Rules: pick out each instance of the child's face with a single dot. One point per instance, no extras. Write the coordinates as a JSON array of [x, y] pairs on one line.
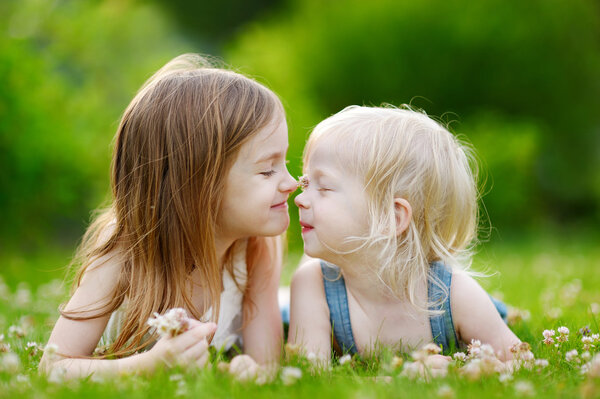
[[333, 207], [258, 186]]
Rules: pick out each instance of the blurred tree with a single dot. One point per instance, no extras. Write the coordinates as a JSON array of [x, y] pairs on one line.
[[213, 23], [533, 65], [67, 71]]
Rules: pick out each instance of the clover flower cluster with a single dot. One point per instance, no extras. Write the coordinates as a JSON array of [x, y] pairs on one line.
[[173, 322], [590, 365], [480, 360]]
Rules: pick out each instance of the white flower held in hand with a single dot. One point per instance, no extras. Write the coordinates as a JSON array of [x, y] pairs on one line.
[[173, 322]]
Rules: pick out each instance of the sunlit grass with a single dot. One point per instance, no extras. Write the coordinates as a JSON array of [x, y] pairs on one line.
[[553, 281]]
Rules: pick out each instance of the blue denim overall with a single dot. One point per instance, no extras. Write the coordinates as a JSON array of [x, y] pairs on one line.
[[442, 326]]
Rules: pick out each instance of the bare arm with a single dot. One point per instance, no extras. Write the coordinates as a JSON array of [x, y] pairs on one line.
[[263, 332], [77, 339], [476, 317], [309, 314]]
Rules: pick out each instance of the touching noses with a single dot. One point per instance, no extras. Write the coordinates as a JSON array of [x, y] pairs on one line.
[[301, 201], [288, 184]]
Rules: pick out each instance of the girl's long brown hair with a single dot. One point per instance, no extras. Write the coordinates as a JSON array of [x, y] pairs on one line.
[[173, 149]]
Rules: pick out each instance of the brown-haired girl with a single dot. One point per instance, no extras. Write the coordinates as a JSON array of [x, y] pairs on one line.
[[200, 189]]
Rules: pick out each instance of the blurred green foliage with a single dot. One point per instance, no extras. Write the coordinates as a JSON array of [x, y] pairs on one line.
[[520, 77], [67, 71]]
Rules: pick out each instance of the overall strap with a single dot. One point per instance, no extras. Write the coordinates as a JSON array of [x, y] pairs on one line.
[[438, 295], [337, 300]]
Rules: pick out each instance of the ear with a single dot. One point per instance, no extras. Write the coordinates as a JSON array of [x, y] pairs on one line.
[[403, 212]]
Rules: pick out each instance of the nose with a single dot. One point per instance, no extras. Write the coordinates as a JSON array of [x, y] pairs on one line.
[[288, 184], [301, 201]]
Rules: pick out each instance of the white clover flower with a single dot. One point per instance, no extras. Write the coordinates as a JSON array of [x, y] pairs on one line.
[[517, 315], [411, 370], [524, 388], [173, 322], [10, 362], [505, 377], [345, 359], [472, 370], [4, 347], [527, 356], [548, 333], [311, 357], [570, 292], [289, 375], [1, 337], [592, 368], [585, 356], [549, 341], [563, 330], [542, 363], [182, 389], [16, 331], [587, 343], [459, 356], [571, 356], [554, 313], [445, 392], [396, 362], [51, 349], [33, 348], [596, 337], [595, 308], [419, 356], [486, 351], [432, 349], [474, 348], [22, 297], [97, 378]]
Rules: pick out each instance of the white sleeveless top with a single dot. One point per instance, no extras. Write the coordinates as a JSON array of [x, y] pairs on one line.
[[229, 324]]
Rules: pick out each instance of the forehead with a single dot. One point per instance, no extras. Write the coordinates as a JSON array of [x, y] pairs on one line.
[[270, 139], [326, 152]]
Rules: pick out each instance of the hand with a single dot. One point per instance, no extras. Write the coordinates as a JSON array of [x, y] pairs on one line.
[[189, 349], [244, 368], [437, 365]]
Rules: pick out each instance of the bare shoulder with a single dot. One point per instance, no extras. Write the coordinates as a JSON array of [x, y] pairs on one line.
[[98, 283], [308, 276], [464, 288]]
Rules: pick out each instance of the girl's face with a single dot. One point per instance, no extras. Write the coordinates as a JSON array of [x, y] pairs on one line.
[[258, 186], [333, 206]]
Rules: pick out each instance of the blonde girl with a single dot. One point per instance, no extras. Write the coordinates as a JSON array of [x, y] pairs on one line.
[[389, 208], [199, 185]]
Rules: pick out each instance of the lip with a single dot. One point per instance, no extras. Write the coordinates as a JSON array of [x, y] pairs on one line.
[[281, 205], [306, 227]]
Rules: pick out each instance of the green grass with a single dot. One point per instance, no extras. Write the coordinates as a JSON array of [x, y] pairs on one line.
[[555, 278]]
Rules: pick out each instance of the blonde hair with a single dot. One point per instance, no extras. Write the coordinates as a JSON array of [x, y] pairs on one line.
[[404, 153], [173, 149]]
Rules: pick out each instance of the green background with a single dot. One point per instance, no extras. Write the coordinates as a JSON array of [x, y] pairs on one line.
[[517, 79]]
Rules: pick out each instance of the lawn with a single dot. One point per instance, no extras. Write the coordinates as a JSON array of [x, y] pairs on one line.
[[550, 280]]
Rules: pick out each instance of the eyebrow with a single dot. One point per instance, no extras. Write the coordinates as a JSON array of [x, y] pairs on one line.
[[270, 156]]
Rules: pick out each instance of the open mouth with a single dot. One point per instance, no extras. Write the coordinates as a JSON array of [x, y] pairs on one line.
[[306, 227]]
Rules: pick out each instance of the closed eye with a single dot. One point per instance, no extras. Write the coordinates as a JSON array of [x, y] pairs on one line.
[[268, 173]]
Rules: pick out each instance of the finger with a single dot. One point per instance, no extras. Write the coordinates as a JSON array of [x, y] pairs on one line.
[[203, 330], [202, 360], [193, 335], [195, 351]]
